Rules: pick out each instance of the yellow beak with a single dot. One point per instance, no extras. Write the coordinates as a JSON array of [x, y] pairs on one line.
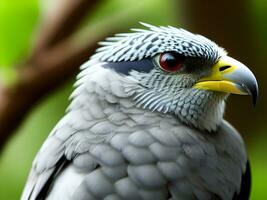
[[230, 76]]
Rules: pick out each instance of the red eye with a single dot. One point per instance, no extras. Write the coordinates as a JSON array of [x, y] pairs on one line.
[[170, 61]]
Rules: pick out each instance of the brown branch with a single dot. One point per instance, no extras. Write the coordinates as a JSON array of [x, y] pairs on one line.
[[63, 20], [54, 68], [56, 58], [54, 61]]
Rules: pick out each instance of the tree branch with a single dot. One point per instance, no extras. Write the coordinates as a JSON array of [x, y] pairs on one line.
[[62, 20], [54, 61], [56, 58]]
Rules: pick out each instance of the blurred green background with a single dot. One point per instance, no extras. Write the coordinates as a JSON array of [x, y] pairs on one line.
[[19, 22]]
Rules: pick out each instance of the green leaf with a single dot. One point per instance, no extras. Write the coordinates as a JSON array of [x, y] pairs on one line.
[[17, 22]]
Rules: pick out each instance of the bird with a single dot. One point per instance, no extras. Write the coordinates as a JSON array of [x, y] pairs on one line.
[[146, 121]]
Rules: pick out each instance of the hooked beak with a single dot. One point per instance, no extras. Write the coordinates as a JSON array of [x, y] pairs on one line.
[[230, 76]]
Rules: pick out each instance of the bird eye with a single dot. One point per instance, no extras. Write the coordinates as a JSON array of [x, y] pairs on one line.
[[170, 61]]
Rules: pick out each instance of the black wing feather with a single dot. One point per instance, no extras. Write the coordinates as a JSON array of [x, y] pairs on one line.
[[245, 185], [60, 165]]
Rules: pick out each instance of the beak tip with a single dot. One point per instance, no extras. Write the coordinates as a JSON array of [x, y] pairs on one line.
[[254, 92], [250, 86]]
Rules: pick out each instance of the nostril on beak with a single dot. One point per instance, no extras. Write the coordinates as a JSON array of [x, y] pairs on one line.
[[224, 68]]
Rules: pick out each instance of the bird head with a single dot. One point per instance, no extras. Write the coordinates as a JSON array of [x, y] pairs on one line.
[[173, 71]]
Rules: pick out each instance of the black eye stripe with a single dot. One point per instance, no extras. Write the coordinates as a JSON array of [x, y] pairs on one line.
[[124, 67]]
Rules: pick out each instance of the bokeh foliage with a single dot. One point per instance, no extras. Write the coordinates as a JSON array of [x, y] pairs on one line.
[[18, 22]]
